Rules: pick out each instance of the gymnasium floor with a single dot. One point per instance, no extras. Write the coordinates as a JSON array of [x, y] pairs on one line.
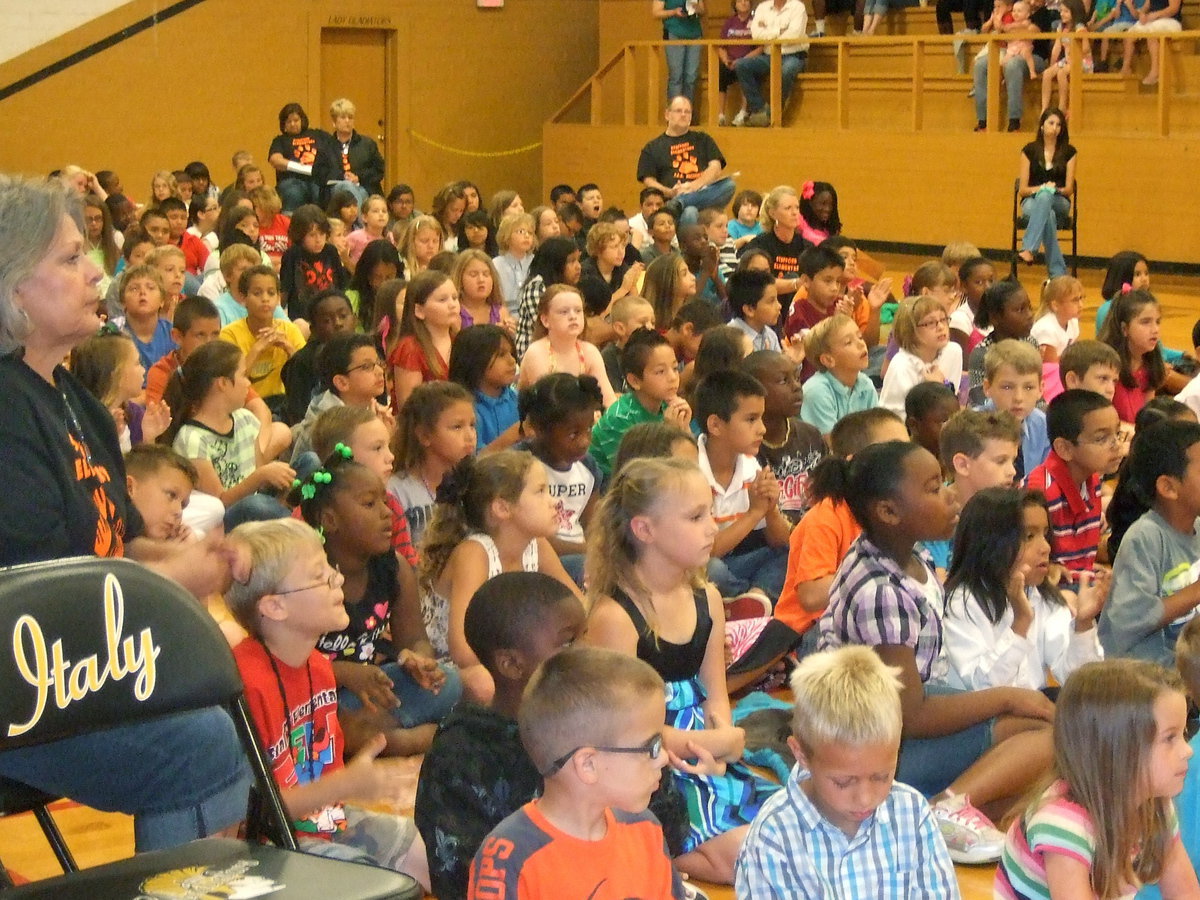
[[97, 837]]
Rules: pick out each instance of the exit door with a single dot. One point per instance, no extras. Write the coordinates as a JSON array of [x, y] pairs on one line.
[[354, 65]]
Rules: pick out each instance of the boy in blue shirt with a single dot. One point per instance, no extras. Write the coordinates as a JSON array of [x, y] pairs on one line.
[[843, 826]]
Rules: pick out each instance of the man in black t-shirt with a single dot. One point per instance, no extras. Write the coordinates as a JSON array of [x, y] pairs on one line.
[[685, 165]]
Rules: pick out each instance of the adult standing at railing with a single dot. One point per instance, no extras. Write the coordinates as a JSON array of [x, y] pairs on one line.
[[685, 165], [184, 776], [1046, 185], [1015, 71], [681, 22], [774, 20]]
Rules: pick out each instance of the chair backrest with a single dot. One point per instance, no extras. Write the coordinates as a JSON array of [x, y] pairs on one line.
[[90, 643]]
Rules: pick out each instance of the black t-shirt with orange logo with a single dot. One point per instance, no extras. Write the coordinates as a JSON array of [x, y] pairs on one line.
[[303, 148], [674, 160], [66, 493]]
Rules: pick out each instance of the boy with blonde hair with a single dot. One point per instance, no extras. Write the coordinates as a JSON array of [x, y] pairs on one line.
[[591, 721], [1012, 383], [842, 826], [627, 315], [835, 346], [286, 595]]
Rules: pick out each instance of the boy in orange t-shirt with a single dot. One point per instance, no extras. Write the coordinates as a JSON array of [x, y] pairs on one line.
[[820, 540]]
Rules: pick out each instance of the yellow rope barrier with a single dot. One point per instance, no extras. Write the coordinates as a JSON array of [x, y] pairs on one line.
[[476, 153]]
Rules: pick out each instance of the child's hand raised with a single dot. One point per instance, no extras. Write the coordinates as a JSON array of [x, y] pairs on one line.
[[369, 684], [1019, 601], [630, 281], [793, 348], [1089, 600], [678, 414], [845, 305], [155, 420], [881, 292]]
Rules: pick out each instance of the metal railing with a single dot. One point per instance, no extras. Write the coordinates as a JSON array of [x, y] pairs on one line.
[[622, 75]]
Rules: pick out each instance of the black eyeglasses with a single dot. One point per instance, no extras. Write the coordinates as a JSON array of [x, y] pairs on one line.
[[367, 366], [651, 748], [332, 580]]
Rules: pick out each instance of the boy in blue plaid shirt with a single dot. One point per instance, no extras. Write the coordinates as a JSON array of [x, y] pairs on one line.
[[843, 827]]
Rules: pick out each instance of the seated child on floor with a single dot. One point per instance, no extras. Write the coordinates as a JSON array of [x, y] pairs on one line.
[[592, 722], [477, 773], [843, 826], [286, 595], [750, 549], [388, 680], [963, 749]]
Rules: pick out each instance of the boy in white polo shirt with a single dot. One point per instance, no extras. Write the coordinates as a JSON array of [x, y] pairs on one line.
[[750, 549]]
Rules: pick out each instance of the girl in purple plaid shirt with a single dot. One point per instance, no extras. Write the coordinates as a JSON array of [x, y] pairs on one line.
[[988, 745]]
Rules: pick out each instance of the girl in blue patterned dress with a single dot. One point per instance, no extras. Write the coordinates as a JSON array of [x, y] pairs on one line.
[[648, 549]]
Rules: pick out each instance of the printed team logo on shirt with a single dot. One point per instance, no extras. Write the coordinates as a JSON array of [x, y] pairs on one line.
[[229, 882], [110, 529], [786, 266], [684, 162], [304, 150]]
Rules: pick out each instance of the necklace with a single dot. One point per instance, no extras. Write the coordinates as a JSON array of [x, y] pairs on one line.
[[307, 738], [787, 436]]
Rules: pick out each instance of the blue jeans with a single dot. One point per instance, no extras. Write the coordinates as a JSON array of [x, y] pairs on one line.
[[296, 192], [1016, 73], [930, 765], [750, 71], [255, 508], [181, 777], [1046, 212], [683, 68], [716, 195], [763, 568], [417, 705]]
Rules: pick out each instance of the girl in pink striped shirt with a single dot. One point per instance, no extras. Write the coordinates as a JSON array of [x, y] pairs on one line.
[[1106, 824]]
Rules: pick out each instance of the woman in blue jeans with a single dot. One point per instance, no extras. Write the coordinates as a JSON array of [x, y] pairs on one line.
[[1047, 183], [182, 776], [681, 22]]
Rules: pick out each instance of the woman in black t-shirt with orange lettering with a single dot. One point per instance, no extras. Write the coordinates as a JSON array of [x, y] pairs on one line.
[[296, 156], [780, 239]]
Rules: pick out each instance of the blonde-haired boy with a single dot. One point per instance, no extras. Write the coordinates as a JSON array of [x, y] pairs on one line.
[[627, 315], [1012, 383], [836, 347], [842, 826], [286, 595], [515, 240], [592, 722]]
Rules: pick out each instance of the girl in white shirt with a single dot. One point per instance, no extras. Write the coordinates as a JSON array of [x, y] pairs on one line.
[[1057, 326], [926, 353], [1006, 622]]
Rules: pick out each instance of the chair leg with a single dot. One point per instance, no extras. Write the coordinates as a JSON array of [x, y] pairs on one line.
[[55, 839]]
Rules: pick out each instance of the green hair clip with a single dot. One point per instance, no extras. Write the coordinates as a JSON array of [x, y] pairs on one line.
[[343, 451]]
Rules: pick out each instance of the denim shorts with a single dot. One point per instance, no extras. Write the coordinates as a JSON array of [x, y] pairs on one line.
[[930, 765]]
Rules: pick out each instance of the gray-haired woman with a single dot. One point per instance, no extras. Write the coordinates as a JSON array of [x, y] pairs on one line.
[[181, 777]]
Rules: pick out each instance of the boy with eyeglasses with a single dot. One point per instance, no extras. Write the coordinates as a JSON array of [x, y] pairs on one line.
[[591, 721], [1084, 432], [286, 595]]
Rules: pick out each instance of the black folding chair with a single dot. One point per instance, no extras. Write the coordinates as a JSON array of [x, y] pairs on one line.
[[1066, 224], [73, 601]]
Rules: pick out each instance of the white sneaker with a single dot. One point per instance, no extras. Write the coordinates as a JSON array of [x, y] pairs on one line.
[[970, 836], [740, 119]]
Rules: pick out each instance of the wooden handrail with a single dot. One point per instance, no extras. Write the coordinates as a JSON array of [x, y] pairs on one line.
[[628, 57]]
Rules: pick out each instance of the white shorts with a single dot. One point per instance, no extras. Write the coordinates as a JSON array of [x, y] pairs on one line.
[[1158, 26]]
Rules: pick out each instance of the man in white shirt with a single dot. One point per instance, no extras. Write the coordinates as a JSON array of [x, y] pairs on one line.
[[782, 20]]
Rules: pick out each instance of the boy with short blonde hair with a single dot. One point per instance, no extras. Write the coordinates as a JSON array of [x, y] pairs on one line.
[[1012, 383], [835, 346], [627, 315], [1091, 366], [591, 721], [842, 826], [286, 595]]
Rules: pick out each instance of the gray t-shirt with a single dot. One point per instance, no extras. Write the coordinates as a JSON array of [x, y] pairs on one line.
[[1154, 562]]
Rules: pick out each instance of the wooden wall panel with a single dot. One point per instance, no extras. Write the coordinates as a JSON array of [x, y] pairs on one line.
[[926, 188], [211, 81]]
